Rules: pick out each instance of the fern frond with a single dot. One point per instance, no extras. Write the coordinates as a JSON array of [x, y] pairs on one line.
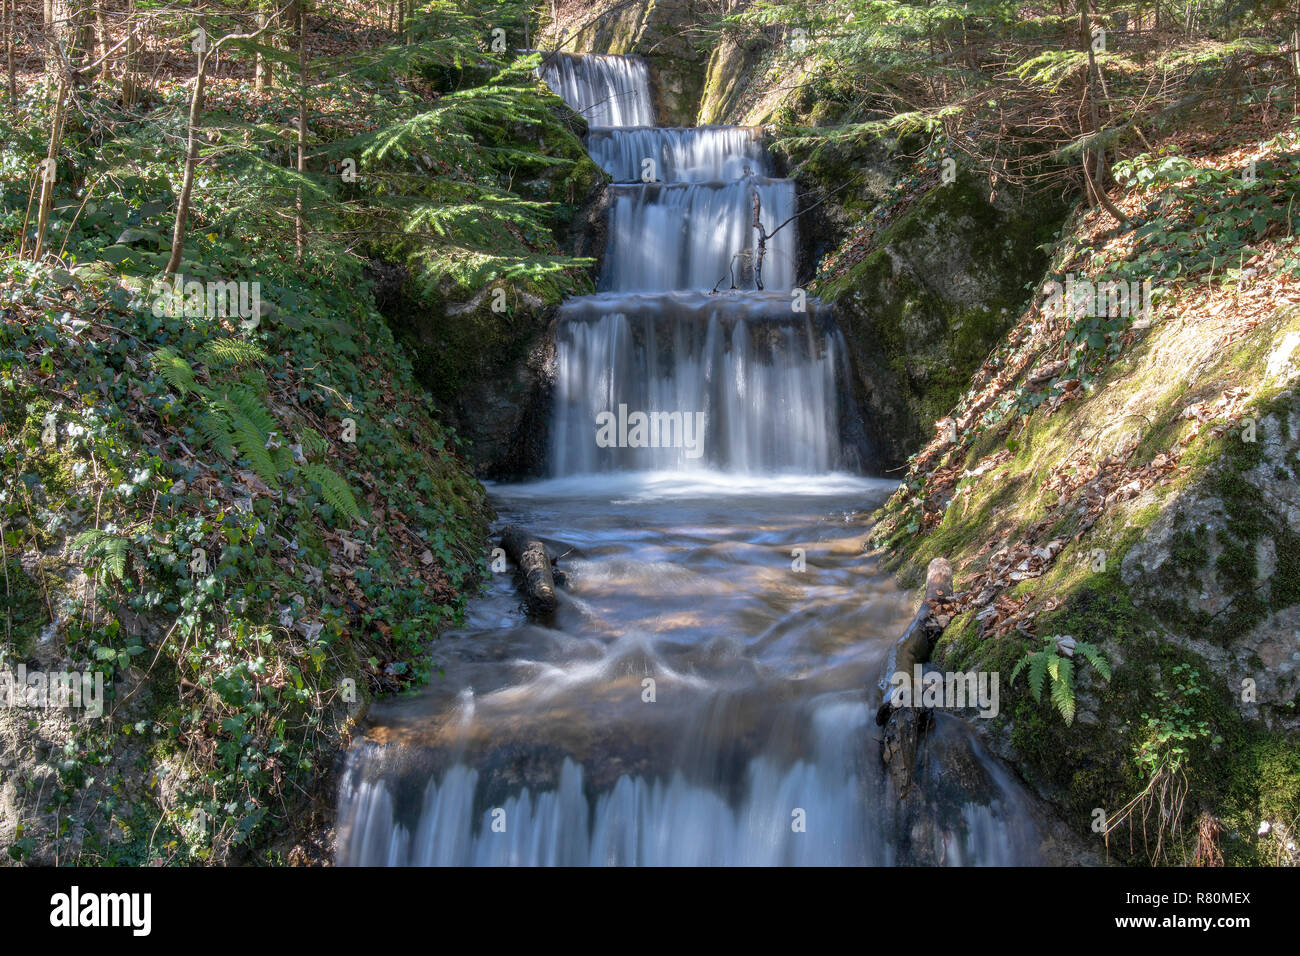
[[333, 489], [177, 372], [228, 352], [1094, 657], [1063, 687], [243, 404], [114, 555], [313, 443], [109, 549], [214, 426], [1039, 665], [251, 442], [87, 538]]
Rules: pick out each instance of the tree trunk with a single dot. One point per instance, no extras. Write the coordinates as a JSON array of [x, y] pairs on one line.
[[1295, 65], [261, 65], [300, 232], [70, 36], [49, 173], [130, 93], [11, 34], [288, 34], [191, 163], [101, 30]]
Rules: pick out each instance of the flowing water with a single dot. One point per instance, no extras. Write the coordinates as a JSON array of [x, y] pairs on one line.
[[701, 694]]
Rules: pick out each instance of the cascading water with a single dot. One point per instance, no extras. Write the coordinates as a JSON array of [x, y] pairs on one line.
[[687, 155], [698, 236], [604, 90], [698, 697], [763, 382]]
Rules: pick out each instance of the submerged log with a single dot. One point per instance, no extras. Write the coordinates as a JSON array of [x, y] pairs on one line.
[[534, 564]]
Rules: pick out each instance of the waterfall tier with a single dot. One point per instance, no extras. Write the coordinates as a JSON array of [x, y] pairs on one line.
[[604, 90], [741, 382], [699, 236], [678, 155]]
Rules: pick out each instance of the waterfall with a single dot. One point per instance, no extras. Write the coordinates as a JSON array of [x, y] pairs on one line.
[[683, 155], [764, 378], [697, 697], [689, 322], [604, 90], [698, 236], [678, 821]]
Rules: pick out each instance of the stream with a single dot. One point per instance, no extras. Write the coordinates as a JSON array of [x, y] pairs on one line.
[[703, 695]]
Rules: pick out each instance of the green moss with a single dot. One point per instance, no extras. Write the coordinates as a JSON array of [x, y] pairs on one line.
[[26, 610], [918, 335], [1262, 783]]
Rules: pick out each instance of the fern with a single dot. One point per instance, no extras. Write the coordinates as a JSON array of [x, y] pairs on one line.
[[251, 442], [313, 443], [1062, 671], [1094, 656], [334, 490], [1047, 662], [109, 549], [230, 353], [177, 372], [243, 404], [215, 429]]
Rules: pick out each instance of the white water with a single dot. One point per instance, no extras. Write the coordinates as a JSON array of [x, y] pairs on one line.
[[756, 745], [604, 90], [672, 822], [698, 236], [678, 155], [764, 379]]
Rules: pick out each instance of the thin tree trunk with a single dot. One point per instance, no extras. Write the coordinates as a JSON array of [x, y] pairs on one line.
[[261, 65], [1295, 65], [287, 35], [191, 163], [192, 145], [11, 36], [1096, 183], [48, 174], [101, 29], [130, 92], [300, 232]]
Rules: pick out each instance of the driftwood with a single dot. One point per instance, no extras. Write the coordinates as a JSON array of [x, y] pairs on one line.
[[534, 564], [914, 646], [905, 726]]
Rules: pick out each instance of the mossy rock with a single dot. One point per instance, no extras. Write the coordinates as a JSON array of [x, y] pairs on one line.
[[923, 310]]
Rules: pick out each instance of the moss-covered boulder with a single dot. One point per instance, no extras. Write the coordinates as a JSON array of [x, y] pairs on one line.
[[930, 298]]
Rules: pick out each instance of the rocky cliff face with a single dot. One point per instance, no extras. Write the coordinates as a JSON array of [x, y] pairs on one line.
[[925, 298], [1138, 493]]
